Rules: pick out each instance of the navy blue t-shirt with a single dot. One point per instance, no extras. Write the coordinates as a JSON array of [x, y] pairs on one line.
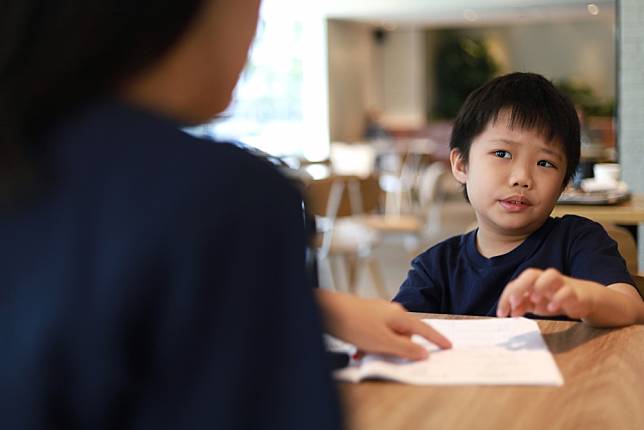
[[157, 281], [454, 278]]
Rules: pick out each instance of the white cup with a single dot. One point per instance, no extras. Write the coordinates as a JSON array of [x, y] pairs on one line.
[[606, 172]]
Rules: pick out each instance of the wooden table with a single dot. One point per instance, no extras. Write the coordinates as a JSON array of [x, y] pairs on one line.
[[603, 370], [627, 213]]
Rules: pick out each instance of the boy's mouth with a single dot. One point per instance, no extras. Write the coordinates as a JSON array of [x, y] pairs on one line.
[[515, 203]]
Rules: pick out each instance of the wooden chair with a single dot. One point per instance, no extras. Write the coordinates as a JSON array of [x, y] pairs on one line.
[[639, 284], [628, 249], [342, 237], [426, 220], [625, 244], [398, 186]]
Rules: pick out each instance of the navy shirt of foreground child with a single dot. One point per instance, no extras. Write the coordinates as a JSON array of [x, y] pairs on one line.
[[454, 278], [158, 282]]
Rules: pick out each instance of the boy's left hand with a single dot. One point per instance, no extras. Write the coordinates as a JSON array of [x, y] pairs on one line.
[[547, 293]]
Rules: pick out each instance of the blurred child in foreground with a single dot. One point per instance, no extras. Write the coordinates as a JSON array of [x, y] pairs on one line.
[[149, 279]]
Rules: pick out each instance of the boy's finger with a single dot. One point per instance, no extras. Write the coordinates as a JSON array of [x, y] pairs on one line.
[[521, 308], [541, 308], [522, 290], [527, 279], [560, 299], [504, 306], [516, 291], [550, 281]]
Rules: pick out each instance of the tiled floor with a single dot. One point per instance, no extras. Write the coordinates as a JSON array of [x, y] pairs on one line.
[[394, 254]]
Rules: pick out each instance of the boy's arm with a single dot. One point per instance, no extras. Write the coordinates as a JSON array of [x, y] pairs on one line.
[[550, 293], [634, 305]]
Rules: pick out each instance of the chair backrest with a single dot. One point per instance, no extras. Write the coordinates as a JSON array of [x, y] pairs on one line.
[[625, 244], [639, 284], [338, 196], [410, 170], [429, 184], [355, 159]]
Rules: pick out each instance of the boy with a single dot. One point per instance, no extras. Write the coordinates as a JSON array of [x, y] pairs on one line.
[[514, 146]]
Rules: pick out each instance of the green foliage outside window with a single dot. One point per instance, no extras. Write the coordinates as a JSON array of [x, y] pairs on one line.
[[461, 65], [585, 98]]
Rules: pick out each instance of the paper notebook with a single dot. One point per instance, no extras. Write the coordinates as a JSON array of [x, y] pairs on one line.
[[496, 351]]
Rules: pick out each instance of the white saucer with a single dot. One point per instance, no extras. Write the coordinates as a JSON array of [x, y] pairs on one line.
[[591, 185]]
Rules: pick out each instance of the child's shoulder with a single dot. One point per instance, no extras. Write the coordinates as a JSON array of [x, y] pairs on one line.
[[575, 223], [576, 229], [447, 249], [575, 220]]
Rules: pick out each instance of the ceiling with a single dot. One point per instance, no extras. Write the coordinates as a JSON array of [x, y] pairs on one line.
[[449, 12]]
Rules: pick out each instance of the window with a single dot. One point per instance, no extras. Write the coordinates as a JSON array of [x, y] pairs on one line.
[[280, 104]]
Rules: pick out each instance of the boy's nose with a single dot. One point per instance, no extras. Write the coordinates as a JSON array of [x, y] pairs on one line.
[[521, 178]]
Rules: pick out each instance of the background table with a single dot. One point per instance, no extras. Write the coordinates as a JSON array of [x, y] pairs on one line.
[[626, 213], [603, 370], [629, 214]]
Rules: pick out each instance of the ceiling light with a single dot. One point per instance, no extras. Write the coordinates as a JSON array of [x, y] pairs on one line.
[[593, 9], [391, 27], [388, 26], [470, 15]]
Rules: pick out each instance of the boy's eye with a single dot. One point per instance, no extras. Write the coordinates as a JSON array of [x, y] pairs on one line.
[[546, 163], [502, 154]]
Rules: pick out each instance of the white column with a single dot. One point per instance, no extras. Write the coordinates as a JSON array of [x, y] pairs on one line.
[[631, 100]]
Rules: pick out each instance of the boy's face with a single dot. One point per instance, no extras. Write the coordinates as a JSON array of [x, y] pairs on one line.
[[513, 178]]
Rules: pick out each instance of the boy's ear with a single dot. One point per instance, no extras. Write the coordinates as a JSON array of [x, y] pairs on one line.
[[459, 167]]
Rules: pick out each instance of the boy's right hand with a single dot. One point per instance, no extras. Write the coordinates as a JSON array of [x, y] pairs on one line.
[[548, 293], [377, 326]]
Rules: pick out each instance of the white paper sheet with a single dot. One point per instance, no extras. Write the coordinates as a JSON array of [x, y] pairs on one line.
[[496, 351]]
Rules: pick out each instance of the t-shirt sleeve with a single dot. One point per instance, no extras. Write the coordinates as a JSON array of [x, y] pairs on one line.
[[594, 256], [419, 293]]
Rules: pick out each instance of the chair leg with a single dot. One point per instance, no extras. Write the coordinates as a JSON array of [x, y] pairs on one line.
[[351, 265], [411, 241], [326, 273], [399, 200], [376, 277], [338, 272], [405, 201], [390, 203]]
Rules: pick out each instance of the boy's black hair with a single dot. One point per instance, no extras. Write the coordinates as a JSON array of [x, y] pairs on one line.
[[533, 103]]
